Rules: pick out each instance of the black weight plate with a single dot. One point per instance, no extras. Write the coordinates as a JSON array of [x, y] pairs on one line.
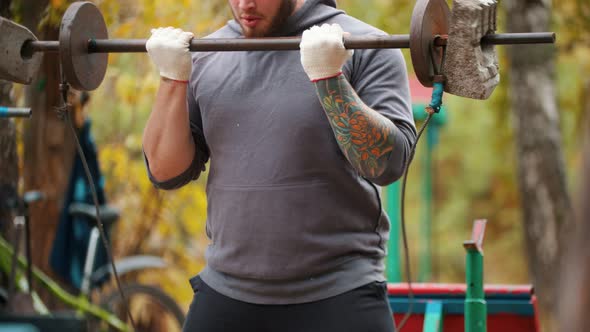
[[81, 23]]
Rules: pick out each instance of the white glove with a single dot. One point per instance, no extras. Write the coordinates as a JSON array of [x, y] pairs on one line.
[[322, 51], [168, 49]]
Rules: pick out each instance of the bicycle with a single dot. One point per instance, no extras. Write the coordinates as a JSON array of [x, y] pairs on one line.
[[171, 316], [104, 309]]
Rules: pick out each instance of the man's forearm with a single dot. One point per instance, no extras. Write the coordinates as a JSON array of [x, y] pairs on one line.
[[365, 136], [167, 138]]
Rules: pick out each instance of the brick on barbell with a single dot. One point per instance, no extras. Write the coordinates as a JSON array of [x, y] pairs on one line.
[[471, 68], [13, 67]]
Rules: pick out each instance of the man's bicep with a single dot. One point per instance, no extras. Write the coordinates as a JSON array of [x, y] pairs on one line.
[[201, 152]]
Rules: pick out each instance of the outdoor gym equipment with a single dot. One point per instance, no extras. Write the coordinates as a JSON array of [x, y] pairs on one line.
[[462, 42], [475, 303], [469, 307]]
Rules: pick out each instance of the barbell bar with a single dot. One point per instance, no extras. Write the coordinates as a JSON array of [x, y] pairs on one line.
[[83, 45], [283, 44]]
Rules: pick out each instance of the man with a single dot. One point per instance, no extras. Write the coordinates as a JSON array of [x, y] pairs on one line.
[[297, 231]]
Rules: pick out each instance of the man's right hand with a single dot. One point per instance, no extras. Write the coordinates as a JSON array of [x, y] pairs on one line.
[[168, 49]]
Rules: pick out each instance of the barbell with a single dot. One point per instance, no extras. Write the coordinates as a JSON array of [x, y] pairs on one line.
[[460, 43]]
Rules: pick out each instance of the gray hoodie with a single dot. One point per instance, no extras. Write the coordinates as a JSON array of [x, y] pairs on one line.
[[290, 220]]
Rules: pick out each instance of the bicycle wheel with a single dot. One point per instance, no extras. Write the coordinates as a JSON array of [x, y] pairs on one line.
[[151, 308]]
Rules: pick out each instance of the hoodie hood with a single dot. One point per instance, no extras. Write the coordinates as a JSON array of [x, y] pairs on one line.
[[312, 12]]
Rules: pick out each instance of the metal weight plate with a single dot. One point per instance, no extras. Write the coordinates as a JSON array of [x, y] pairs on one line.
[[429, 19], [81, 23]]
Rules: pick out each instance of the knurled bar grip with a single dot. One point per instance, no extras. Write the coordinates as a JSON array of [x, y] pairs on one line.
[[284, 44]]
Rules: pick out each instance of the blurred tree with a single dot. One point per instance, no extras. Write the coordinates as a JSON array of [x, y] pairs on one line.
[[573, 21], [541, 167], [574, 299], [8, 156]]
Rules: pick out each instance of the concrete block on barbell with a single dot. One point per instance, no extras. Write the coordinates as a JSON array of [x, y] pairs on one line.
[[15, 66], [471, 68]]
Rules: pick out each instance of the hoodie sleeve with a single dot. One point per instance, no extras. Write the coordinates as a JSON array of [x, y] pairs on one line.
[[380, 79], [201, 153]]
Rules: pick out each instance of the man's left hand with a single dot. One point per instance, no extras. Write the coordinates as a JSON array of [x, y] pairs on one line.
[[322, 51]]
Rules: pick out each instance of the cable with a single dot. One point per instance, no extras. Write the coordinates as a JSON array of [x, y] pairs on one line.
[[64, 112], [403, 224], [433, 108], [29, 250]]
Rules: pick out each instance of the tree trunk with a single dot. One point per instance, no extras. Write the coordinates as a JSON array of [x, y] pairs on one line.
[[49, 147], [8, 156], [8, 160], [541, 175], [575, 284]]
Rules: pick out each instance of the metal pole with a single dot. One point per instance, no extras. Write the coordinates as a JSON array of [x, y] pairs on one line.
[[425, 258], [475, 302], [519, 38], [425, 270], [282, 44], [15, 112], [250, 44], [393, 266]]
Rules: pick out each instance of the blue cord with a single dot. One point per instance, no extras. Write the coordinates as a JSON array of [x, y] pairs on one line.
[[437, 95], [3, 112]]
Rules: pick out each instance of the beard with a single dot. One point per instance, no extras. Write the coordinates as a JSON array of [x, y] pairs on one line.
[[285, 10], [276, 23]]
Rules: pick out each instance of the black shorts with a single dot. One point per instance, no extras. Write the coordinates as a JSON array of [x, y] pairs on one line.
[[364, 309]]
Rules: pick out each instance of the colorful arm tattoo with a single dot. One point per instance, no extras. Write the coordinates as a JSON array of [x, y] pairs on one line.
[[365, 136]]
